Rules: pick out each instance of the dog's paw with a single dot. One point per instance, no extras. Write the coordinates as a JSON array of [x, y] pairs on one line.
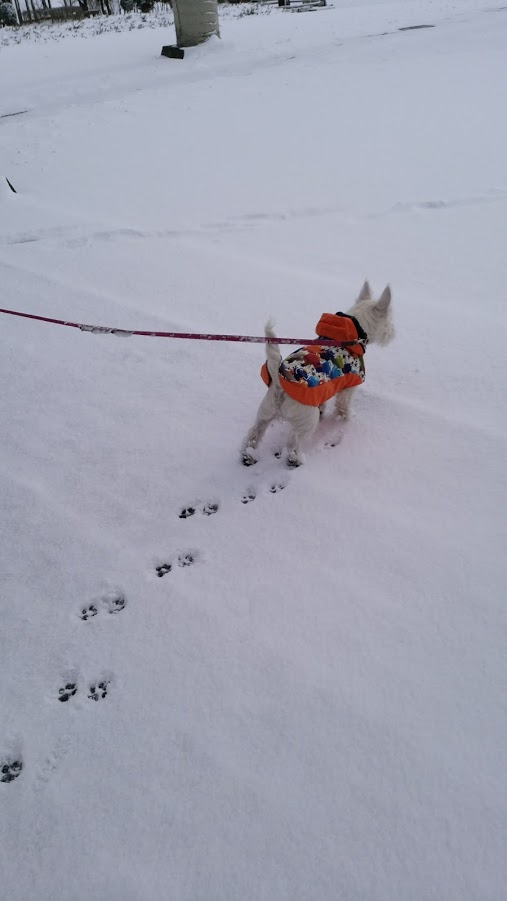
[[247, 458], [293, 461]]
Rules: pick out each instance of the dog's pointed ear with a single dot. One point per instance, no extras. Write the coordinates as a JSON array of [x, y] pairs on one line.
[[365, 292], [382, 304]]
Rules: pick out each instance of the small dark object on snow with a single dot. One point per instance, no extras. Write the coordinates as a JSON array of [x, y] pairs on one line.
[[13, 189], [18, 113], [172, 52], [414, 27]]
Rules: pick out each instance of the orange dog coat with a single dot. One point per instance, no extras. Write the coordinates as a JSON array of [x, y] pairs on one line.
[[314, 374]]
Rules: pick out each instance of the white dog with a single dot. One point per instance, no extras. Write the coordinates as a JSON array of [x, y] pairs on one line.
[[301, 384]]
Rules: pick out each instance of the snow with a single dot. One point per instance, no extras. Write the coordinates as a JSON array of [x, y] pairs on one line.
[[315, 707]]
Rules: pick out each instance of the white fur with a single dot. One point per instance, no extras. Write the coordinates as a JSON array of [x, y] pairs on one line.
[[375, 318]]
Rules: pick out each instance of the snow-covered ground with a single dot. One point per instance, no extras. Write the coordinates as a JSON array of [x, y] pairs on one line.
[[314, 709]]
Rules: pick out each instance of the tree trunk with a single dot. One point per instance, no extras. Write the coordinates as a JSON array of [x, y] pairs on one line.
[[195, 21], [18, 12]]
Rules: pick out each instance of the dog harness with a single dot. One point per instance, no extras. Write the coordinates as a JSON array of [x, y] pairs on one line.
[[314, 374]]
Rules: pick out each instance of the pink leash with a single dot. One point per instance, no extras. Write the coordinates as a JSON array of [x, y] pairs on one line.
[[126, 333]]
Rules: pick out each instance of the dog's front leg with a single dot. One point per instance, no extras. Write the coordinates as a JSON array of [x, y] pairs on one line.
[[342, 403], [304, 420]]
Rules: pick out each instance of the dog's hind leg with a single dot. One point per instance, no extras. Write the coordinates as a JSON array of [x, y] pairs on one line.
[[252, 440], [265, 415]]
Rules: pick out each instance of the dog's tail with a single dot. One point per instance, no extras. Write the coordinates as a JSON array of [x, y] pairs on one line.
[[273, 355]]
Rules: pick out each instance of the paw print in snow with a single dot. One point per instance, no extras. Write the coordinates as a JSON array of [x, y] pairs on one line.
[[210, 508], [277, 486], [88, 612], [98, 690], [112, 602], [207, 509], [10, 770], [249, 496], [184, 559], [67, 692]]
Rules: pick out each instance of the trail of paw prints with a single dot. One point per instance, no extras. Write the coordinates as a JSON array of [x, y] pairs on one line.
[[95, 691], [183, 560], [109, 604], [10, 769], [273, 487], [209, 508]]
